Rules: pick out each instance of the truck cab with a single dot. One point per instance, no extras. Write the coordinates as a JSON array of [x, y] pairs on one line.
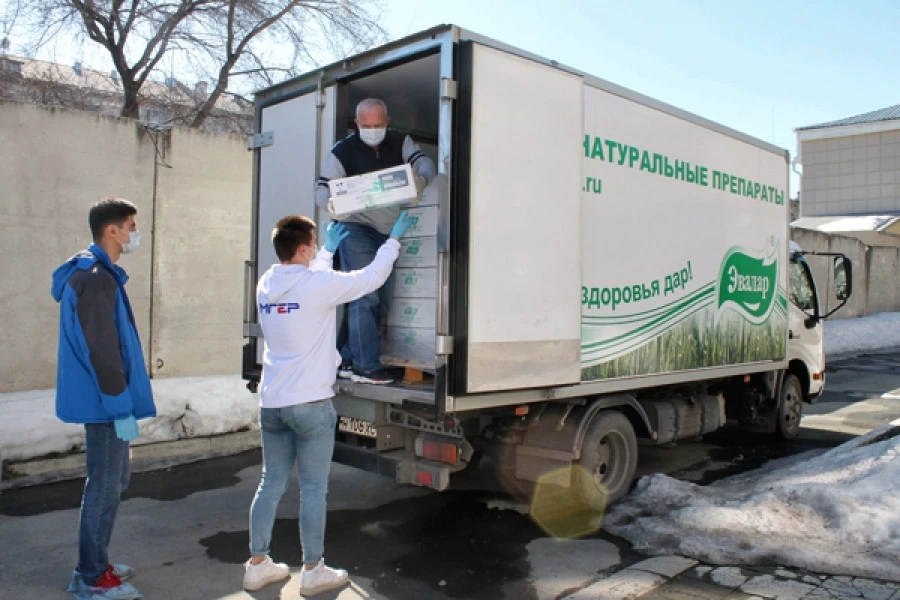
[[806, 352]]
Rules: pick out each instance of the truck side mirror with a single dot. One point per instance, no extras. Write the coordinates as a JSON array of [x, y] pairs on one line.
[[843, 277]]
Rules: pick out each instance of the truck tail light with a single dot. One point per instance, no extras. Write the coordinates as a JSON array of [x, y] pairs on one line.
[[436, 448], [430, 475], [424, 478]]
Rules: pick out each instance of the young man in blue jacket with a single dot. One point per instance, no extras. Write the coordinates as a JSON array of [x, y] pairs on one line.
[[102, 382]]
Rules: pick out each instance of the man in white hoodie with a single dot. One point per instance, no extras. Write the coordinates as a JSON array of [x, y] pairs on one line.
[[297, 301]]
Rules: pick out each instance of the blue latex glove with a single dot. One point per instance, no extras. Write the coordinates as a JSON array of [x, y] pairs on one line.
[[334, 235], [403, 223], [126, 429]]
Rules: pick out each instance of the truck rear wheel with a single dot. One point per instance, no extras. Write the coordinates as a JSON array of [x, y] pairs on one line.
[[609, 456], [790, 406]]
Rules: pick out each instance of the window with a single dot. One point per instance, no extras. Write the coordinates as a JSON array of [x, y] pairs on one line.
[[10, 66], [802, 293]]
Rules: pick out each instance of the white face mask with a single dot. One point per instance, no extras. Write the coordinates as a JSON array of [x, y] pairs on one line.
[[134, 240], [372, 137]]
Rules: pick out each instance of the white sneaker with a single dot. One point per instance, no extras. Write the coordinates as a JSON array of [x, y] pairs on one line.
[[268, 571], [321, 579]]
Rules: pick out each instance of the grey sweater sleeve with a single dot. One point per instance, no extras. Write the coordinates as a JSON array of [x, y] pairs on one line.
[[97, 291], [421, 164], [331, 169]]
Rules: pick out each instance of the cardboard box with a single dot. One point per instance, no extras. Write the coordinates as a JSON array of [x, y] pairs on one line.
[[403, 345], [415, 283], [386, 187], [417, 252], [424, 223], [412, 312]]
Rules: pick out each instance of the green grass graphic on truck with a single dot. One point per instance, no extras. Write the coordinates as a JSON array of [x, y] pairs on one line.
[[738, 318], [699, 341]]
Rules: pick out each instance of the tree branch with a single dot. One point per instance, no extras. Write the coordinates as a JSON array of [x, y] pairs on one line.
[[220, 39]]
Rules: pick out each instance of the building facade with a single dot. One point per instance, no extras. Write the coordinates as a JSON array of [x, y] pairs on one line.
[[851, 166], [164, 104]]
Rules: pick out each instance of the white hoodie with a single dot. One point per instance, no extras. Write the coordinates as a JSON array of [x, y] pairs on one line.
[[297, 314]]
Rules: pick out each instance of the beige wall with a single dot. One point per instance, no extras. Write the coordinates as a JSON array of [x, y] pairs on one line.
[[203, 224], [884, 281], [875, 238], [851, 175], [54, 165]]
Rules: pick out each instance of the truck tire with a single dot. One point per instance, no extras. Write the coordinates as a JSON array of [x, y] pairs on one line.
[[609, 456], [790, 407]]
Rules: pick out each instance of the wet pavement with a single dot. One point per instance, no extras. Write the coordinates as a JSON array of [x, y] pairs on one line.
[[185, 528]]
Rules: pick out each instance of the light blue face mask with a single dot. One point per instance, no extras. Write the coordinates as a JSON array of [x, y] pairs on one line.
[[134, 240]]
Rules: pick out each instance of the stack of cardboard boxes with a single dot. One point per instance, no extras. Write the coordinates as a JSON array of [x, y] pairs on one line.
[[409, 337]]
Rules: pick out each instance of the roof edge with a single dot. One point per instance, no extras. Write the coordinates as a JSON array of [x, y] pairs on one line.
[[838, 131]]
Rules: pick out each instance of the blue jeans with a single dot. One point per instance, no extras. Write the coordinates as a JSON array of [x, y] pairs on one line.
[[108, 473], [364, 316], [305, 433]]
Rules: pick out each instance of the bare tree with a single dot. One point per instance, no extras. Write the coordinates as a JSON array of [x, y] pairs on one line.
[[220, 40]]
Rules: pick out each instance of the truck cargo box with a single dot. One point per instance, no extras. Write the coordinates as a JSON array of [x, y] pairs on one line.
[[580, 238]]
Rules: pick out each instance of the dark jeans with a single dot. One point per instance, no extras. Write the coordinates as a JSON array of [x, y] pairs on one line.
[[108, 473], [365, 315]]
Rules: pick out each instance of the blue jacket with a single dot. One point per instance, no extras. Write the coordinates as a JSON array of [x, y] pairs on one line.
[[101, 375]]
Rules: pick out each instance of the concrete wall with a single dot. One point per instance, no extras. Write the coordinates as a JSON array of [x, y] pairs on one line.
[[203, 224], [851, 175], [54, 165], [884, 280], [875, 238]]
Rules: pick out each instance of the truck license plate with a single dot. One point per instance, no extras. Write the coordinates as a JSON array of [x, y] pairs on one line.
[[357, 426]]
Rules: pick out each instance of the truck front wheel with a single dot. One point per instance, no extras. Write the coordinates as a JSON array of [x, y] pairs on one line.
[[790, 405], [609, 456]]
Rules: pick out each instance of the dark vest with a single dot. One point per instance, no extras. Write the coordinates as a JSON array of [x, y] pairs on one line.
[[358, 158]]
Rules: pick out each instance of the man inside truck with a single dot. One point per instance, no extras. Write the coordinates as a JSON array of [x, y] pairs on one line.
[[371, 147]]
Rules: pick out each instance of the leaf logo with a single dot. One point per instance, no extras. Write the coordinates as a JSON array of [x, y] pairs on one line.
[[748, 282]]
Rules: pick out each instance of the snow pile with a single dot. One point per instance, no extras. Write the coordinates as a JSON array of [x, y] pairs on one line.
[[836, 512], [197, 406], [874, 333], [187, 407]]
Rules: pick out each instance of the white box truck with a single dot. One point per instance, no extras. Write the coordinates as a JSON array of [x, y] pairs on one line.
[[595, 269]]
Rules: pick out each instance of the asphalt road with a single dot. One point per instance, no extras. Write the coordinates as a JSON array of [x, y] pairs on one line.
[[185, 528]]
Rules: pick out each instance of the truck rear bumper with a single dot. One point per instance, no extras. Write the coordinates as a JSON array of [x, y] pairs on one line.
[[400, 466], [366, 459]]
